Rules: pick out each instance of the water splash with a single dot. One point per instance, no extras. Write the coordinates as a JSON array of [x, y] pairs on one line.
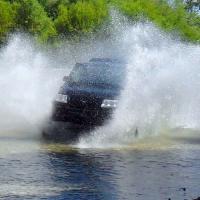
[[30, 78], [161, 90], [27, 83]]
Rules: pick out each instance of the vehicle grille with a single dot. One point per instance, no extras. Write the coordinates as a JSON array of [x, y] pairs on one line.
[[83, 101]]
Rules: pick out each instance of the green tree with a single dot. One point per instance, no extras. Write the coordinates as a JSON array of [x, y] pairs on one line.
[[33, 19], [63, 21], [46, 19], [81, 17], [51, 7], [174, 19], [7, 19]]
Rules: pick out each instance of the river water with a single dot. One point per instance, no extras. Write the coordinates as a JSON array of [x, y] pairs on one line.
[[152, 168], [160, 99]]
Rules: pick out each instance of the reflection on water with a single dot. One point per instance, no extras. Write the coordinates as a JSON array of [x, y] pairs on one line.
[[151, 169]]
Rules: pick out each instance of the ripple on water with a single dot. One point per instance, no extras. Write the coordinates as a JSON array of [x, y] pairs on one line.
[[23, 190]]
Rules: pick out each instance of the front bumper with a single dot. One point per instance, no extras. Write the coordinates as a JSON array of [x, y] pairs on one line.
[[63, 131], [63, 112]]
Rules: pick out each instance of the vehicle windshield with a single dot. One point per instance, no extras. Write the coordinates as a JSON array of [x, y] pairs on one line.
[[98, 74]]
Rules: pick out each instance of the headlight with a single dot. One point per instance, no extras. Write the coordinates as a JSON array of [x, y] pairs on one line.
[[61, 98], [109, 103]]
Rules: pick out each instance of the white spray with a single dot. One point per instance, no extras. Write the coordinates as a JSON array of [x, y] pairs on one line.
[[27, 84], [162, 86], [161, 92]]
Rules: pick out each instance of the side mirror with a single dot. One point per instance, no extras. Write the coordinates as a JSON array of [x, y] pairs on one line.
[[66, 78]]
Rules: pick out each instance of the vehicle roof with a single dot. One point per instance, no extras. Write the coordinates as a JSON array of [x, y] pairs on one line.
[[109, 62], [106, 60], [91, 64]]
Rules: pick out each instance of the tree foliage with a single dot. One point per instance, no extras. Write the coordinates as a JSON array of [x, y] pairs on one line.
[[172, 19], [81, 16], [48, 19], [32, 18], [7, 18]]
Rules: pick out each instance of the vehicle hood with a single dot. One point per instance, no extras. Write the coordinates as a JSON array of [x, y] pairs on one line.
[[90, 90]]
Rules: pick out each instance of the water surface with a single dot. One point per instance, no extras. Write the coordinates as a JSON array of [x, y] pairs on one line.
[[159, 167]]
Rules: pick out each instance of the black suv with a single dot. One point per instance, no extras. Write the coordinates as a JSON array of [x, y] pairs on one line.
[[90, 93]]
